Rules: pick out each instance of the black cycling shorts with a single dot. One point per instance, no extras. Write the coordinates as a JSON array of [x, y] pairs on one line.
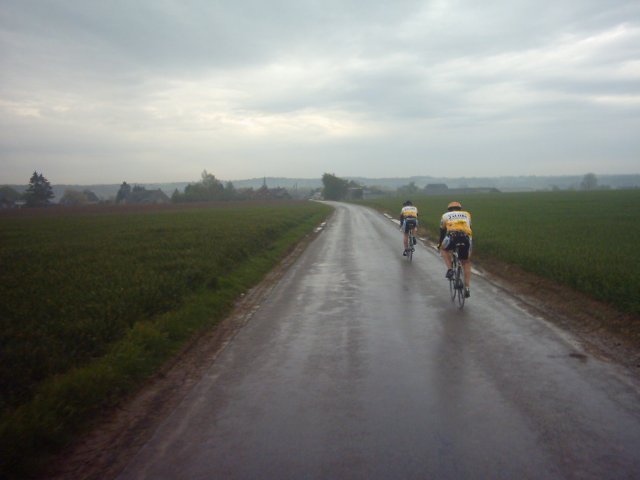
[[462, 240], [410, 224]]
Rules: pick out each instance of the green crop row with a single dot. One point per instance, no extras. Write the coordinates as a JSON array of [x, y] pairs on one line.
[[91, 304], [587, 240]]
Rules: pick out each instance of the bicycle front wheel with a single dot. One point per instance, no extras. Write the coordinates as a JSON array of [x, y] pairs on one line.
[[452, 288]]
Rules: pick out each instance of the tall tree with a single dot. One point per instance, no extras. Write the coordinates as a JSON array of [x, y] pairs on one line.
[[335, 188], [589, 182], [209, 188], [212, 186], [39, 191], [123, 193]]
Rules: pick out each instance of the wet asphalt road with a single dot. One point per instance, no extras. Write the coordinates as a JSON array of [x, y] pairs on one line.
[[358, 366]]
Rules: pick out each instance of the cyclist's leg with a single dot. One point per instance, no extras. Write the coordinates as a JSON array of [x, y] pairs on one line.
[[405, 234], [465, 257], [407, 227], [414, 231], [445, 252], [466, 266]]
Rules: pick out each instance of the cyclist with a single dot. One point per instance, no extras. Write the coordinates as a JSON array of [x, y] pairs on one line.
[[408, 223], [455, 228]]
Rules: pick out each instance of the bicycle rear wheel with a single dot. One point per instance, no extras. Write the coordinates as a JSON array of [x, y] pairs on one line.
[[459, 279]]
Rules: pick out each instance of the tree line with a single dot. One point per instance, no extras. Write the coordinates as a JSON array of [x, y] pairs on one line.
[[209, 188], [39, 192]]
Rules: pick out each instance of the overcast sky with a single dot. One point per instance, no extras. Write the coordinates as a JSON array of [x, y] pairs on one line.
[[95, 91]]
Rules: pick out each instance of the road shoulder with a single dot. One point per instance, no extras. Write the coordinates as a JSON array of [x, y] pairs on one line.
[[605, 332]]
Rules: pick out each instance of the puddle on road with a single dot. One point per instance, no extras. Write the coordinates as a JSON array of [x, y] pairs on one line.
[[578, 356]]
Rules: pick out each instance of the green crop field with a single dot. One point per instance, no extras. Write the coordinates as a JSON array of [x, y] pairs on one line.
[[587, 240], [93, 303]]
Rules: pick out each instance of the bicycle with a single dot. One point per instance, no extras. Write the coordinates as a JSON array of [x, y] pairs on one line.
[[411, 249], [456, 282]]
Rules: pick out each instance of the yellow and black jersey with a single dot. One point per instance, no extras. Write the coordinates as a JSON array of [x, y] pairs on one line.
[[408, 212], [456, 221]]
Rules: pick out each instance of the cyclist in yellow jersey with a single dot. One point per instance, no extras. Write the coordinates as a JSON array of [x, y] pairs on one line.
[[455, 228], [408, 223]]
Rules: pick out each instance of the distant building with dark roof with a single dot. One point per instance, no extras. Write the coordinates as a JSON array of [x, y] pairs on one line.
[[436, 188]]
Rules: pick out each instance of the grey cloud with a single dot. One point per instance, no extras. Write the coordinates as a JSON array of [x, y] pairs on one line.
[[124, 73], [196, 34]]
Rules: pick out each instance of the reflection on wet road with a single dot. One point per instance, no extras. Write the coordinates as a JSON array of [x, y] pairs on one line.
[[358, 366]]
